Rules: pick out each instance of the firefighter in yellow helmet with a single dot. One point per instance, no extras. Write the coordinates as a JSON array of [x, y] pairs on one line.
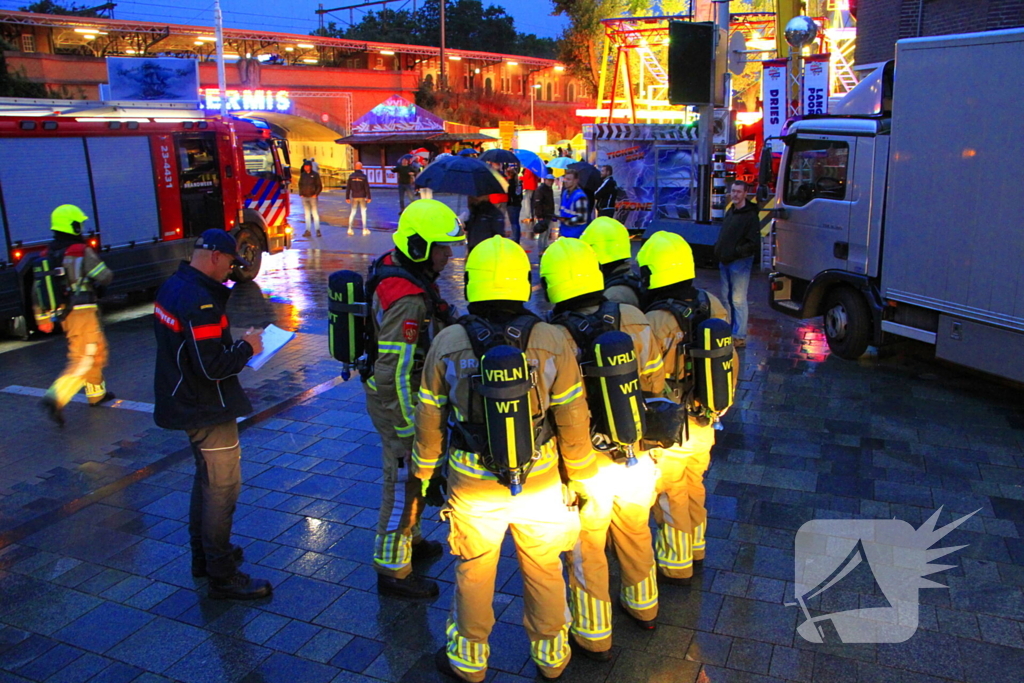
[[502, 404], [616, 501], [64, 291], [407, 312], [610, 241], [675, 307]]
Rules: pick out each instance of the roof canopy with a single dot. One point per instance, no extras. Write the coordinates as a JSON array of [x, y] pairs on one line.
[[397, 115]]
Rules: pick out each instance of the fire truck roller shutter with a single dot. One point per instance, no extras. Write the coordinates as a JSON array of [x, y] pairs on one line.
[[122, 174], [38, 175]]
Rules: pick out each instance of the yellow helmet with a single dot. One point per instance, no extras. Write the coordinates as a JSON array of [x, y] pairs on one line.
[[665, 259], [67, 218], [497, 270], [424, 223], [609, 238], [569, 268]]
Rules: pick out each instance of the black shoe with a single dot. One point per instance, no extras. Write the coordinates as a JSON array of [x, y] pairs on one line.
[[239, 586], [443, 666], [647, 625], [424, 550], [199, 562], [409, 587], [107, 398], [603, 656], [53, 410]]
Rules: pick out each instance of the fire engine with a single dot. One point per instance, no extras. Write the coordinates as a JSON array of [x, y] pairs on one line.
[[150, 178]]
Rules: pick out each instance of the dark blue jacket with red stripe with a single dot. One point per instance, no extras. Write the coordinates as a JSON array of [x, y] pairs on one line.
[[197, 363]]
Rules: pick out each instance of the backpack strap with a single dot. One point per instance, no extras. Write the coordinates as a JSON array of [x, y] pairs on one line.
[[585, 328], [625, 279]]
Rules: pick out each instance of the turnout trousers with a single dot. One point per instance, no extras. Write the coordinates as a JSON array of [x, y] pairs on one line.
[[480, 512], [215, 489], [618, 505], [398, 525], [679, 509], [87, 356]]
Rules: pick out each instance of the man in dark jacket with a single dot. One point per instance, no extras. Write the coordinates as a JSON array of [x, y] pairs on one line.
[[543, 211], [310, 188], [605, 194], [197, 390], [738, 242], [357, 193], [406, 173]]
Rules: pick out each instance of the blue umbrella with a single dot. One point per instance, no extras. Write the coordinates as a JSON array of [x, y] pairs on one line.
[[531, 161], [468, 152], [561, 162], [461, 175], [499, 156]]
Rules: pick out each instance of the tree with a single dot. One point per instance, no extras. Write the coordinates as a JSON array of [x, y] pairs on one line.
[[581, 43], [14, 83], [54, 7]]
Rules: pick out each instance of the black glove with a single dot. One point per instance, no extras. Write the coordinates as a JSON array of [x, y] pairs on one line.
[[434, 491]]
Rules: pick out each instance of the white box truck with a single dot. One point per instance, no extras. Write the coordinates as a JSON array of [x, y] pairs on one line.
[[899, 212]]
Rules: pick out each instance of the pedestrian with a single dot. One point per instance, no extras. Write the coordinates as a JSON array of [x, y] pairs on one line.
[[406, 172], [514, 207], [521, 491], [310, 188], [407, 312], [197, 390], [485, 220], [530, 181], [616, 502], [543, 211], [610, 241], [559, 152], [357, 193], [606, 193], [574, 206], [69, 264], [669, 298], [738, 241]]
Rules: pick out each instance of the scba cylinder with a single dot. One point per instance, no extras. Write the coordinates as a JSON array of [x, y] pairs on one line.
[[505, 386], [614, 382], [346, 316], [713, 364]]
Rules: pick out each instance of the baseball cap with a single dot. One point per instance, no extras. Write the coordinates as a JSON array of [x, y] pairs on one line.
[[222, 241]]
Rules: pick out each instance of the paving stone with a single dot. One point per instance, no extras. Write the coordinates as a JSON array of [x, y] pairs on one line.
[[280, 667], [158, 645], [219, 658], [103, 627]]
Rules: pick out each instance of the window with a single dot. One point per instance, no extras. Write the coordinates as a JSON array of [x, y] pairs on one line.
[[28, 42], [571, 90], [487, 85], [549, 97], [817, 170], [259, 158]]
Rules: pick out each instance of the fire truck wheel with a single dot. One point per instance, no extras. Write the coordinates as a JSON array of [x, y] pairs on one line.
[[250, 247], [847, 323]]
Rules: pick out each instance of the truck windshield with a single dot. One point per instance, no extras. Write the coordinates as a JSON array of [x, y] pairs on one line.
[[816, 170], [259, 158]]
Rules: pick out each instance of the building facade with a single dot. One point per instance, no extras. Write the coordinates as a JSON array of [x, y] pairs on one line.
[[880, 23]]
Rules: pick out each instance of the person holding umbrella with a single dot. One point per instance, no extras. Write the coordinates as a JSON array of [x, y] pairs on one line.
[[543, 211], [406, 173], [575, 207], [478, 181]]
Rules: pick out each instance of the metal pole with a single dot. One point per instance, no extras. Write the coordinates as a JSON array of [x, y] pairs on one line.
[[706, 147], [533, 96], [218, 20], [443, 79]]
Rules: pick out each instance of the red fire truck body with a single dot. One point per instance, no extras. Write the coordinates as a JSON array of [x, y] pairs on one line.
[[149, 187]]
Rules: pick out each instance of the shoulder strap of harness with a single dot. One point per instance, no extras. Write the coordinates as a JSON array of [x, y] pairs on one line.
[[585, 328], [626, 278], [484, 335]]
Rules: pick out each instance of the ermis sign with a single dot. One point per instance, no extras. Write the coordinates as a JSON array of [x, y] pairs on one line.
[[247, 100]]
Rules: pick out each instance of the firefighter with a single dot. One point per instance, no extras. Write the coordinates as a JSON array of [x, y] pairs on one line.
[[83, 273], [407, 312], [490, 491], [610, 241], [617, 500], [667, 272]]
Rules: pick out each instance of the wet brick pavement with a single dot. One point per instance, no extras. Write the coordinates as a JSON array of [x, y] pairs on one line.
[[94, 568]]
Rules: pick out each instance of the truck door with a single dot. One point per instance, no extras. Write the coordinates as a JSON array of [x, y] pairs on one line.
[[813, 234], [202, 199]]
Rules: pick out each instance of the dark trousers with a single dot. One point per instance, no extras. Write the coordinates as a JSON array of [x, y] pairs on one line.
[[215, 490], [406, 195], [609, 212], [513, 218]]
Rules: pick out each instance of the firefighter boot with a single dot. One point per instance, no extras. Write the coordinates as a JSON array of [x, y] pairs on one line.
[[410, 587]]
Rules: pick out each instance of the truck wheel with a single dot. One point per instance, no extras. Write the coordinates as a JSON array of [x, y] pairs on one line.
[[847, 323], [250, 247]]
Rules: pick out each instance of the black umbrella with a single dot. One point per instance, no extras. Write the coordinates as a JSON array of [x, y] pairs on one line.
[[461, 175], [500, 156], [589, 176]]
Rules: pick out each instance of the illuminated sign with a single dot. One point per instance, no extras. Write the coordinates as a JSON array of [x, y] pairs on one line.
[[247, 100]]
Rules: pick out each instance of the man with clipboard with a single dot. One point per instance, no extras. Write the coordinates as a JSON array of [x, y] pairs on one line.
[[197, 390]]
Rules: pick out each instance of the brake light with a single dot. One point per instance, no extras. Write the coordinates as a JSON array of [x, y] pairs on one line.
[[94, 242], [17, 255]]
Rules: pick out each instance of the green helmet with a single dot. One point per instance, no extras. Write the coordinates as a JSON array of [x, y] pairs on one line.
[[67, 218], [424, 223]]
